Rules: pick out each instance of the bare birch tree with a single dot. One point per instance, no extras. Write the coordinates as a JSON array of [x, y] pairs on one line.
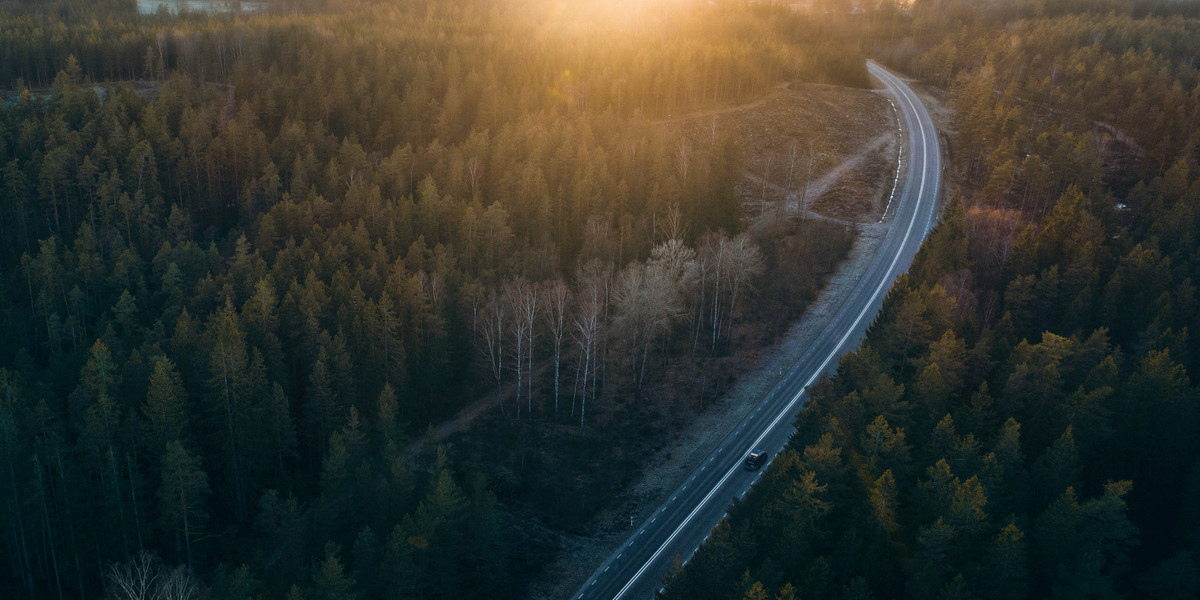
[[589, 306], [134, 579], [745, 261], [473, 291], [514, 293], [528, 311], [143, 577], [766, 177], [558, 297], [791, 168], [724, 269], [646, 300], [677, 259], [684, 268], [672, 225], [682, 161], [713, 249], [491, 330]]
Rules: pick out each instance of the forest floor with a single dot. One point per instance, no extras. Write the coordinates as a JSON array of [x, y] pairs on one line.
[[853, 154]]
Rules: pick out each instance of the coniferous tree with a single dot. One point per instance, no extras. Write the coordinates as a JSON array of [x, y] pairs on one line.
[[181, 495]]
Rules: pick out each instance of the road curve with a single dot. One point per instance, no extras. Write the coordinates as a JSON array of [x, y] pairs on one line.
[[684, 521]]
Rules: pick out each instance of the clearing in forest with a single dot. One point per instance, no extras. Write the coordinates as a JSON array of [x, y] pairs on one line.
[[837, 147]]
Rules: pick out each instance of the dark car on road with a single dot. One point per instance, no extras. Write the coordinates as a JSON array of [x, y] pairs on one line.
[[755, 459]]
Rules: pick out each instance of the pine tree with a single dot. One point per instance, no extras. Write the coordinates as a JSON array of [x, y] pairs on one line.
[[229, 379], [388, 426], [1005, 570], [281, 427], [320, 400], [1057, 469], [885, 502], [165, 408], [100, 436], [330, 581], [182, 494]]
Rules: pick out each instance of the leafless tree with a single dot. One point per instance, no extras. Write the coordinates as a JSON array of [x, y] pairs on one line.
[[678, 259], [685, 270], [474, 292], [745, 261], [646, 301], [491, 329], [433, 288], [558, 297], [589, 308], [433, 285], [713, 248], [178, 584], [766, 176], [807, 181], [143, 577], [516, 294], [725, 268], [672, 226], [587, 325], [135, 579], [527, 310], [791, 167], [476, 148], [682, 161]]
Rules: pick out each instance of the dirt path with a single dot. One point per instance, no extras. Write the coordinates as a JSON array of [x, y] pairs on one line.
[[712, 112], [790, 198], [824, 182], [460, 422]]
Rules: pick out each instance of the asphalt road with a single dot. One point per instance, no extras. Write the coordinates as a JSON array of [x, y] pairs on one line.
[[684, 521]]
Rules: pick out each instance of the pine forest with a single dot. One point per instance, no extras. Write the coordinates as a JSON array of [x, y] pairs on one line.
[[339, 299]]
